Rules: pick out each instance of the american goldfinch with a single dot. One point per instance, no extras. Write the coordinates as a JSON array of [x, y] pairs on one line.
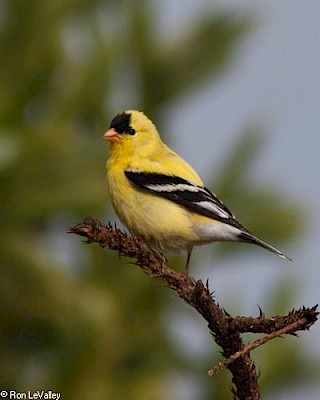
[[159, 196]]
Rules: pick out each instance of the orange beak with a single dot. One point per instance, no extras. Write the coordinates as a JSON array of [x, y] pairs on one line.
[[111, 136]]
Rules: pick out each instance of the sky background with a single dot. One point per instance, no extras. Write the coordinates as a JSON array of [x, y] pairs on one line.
[[273, 81]]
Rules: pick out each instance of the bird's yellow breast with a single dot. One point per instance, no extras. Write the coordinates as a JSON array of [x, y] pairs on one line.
[[162, 223]]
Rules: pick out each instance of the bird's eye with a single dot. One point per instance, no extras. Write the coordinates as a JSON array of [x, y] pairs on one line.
[[131, 131]]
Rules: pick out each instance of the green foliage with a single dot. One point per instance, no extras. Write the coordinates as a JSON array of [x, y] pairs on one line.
[[76, 319]]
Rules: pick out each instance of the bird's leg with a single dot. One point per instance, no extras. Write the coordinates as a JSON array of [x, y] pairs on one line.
[[186, 268]]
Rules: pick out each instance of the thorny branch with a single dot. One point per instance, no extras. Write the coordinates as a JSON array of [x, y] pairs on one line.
[[225, 329], [289, 329]]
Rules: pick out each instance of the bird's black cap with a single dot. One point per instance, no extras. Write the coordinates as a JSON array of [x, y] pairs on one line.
[[121, 123]]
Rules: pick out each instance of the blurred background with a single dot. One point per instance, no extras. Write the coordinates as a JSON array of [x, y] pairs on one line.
[[234, 88]]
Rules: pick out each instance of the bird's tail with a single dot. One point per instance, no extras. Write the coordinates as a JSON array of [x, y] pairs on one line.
[[247, 237]]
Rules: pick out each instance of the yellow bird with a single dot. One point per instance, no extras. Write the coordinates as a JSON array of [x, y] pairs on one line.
[[159, 196]]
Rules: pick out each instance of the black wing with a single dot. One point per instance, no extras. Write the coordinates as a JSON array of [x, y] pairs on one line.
[[193, 197]]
